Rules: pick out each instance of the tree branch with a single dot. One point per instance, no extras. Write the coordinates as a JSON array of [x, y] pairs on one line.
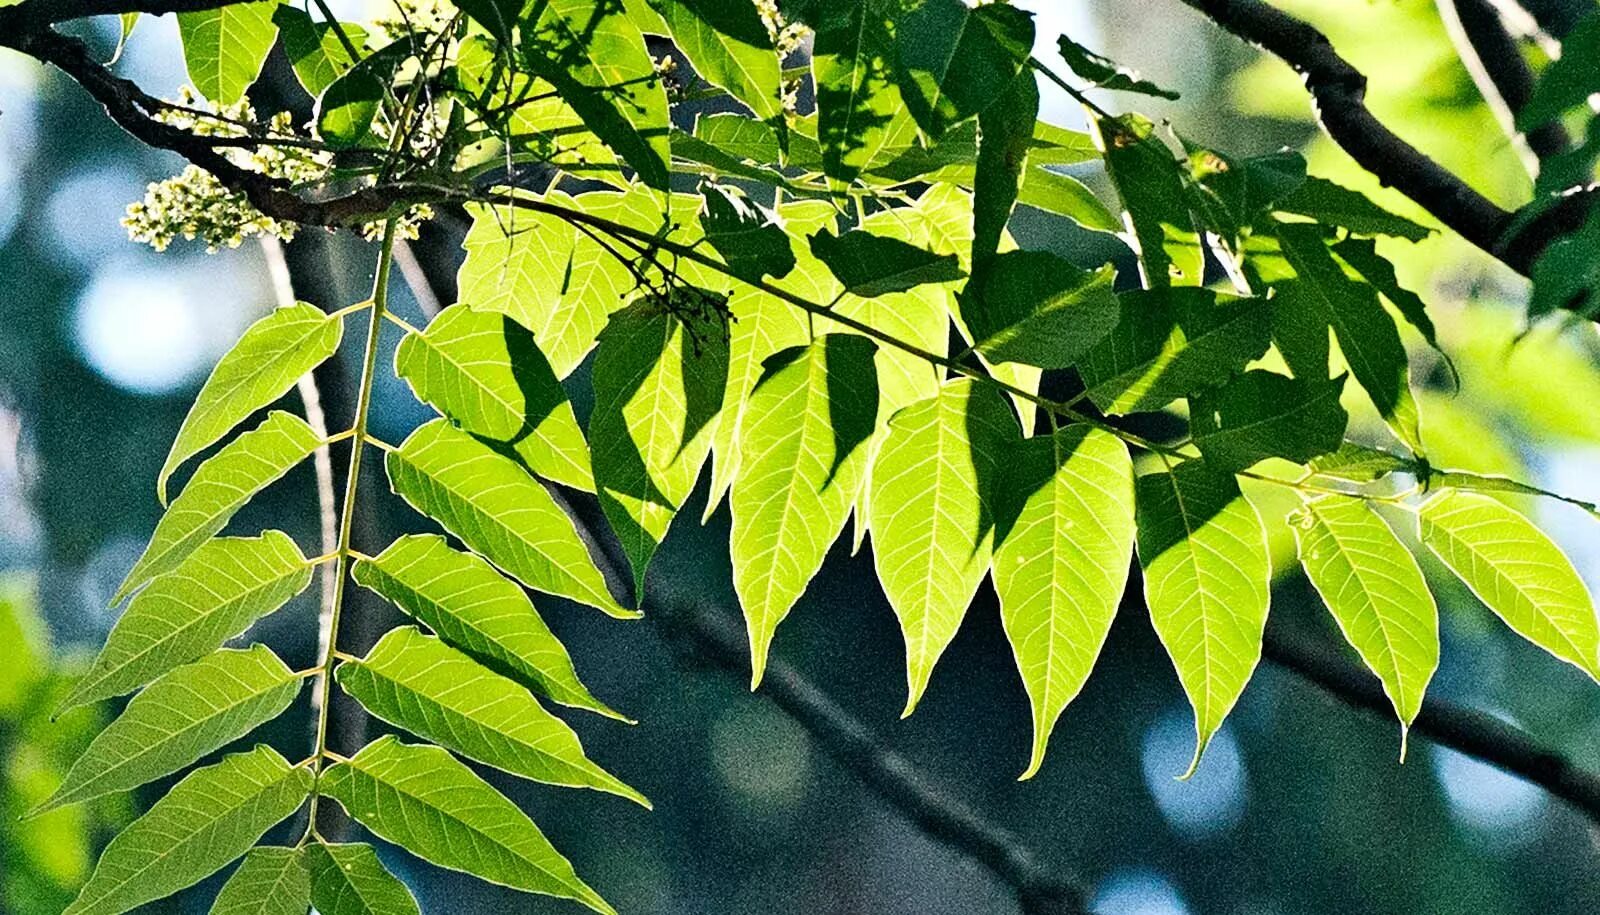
[[1494, 58]]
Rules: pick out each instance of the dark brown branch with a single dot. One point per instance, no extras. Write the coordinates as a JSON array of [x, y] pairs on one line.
[[32, 14], [1494, 58]]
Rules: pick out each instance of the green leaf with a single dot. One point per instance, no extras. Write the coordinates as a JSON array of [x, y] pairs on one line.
[[350, 880], [1261, 414], [1006, 135], [127, 21], [1323, 297], [499, 511], [1567, 275], [419, 683], [1516, 571], [271, 881], [225, 47], [862, 118], [1376, 592], [739, 136], [747, 236], [206, 821], [803, 459], [1151, 185], [595, 57], [221, 486], [1362, 256], [186, 614], [427, 802], [346, 108], [1206, 579], [1061, 563], [314, 48], [1106, 73], [1334, 205], [1569, 80], [728, 46], [273, 353], [1170, 343], [932, 516], [658, 386], [1357, 463], [1036, 308], [953, 60], [870, 265], [485, 371], [475, 608], [1063, 195], [182, 716]]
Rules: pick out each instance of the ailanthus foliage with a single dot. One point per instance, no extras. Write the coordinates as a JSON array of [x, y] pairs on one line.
[[779, 233]]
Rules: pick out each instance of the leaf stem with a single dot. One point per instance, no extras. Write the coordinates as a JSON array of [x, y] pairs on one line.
[[369, 364]]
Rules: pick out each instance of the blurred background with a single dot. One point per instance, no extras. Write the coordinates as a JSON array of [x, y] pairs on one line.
[[1301, 805]]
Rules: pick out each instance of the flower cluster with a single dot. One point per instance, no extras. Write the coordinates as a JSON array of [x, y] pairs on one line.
[[787, 37]]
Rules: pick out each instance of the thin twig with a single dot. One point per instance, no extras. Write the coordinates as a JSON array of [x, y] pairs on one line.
[[1504, 79]]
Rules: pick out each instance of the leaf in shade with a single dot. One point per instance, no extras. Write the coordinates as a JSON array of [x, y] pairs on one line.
[[1235, 193], [1206, 578], [1357, 463], [745, 234], [932, 514], [1516, 571], [596, 58], [658, 389], [499, 511], [870, 265], [225, 47], [1361, 254], [1376, 592], [1261, 414], [273, 353], [1151, 185], [862, 119], [1106, 73], [485, 371], [207, 820], [221, 485], [1035, 308], [271, 881], [728, 46], [803, 460], [427, 802], [1170, 343], [350, 880], [185, 714], [186, 614], [1569, 80], [1334, 205], [314, 49], [1065, 535], [415, 681], [952, 61], [1006, 135], [346, 108], [472, 606]]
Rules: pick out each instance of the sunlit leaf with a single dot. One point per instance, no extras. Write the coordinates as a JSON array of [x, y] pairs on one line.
[[1035, 308], [346, 108], [728, 46], [350, 880], [314, 48], [954, 60], [225, 47], [271, 881], [862, 118], [1358, 463]]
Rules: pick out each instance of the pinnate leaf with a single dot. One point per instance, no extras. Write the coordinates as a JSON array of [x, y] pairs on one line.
[[1260, 415], [207, 820], [1106, 73], [225, 47], [862, 119], [954, 60], [728, 46], [427, 802], [272, 354], [271, 881], [1035, 308], [747, 236], [350, 880], [314, 48]]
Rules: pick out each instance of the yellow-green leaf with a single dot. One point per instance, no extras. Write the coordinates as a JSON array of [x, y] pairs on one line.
[[271, 881]]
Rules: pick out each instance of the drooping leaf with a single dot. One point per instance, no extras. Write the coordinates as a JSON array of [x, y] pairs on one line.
[[728, 46], [1150, 183], [1170, 343], [350, 880], [475, 608], [314, 48], [424, 800], [932, 514], [485, 371], [1006, 135], [1516, 571], [1106, 73], [1334, 205], [745, 234], [595, 57], [1261, 414], [659, 384], [221, 485], [952, 61], [185, 714], [186, 614], [497, 510], [1362, 256], [1234, 193], [271, 881], [419, 683], [1376, 592], [346, 108], [1358, 463], [225, 47], [260, 368], [206, 821], [1035, 308], [862, 118], [1206, 577], [1064, 540], [870, 265], [803, 457]]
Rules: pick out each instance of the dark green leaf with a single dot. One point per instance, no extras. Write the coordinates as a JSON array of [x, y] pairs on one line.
[[1156, 199], [1260, 415], [1006, 135], [953, 60], [315, 51], [346, 108], [1357, 463], [1570, 79], [1035, 308], [747, 235], [870, 265], [1331, 204], [1104, 72]]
